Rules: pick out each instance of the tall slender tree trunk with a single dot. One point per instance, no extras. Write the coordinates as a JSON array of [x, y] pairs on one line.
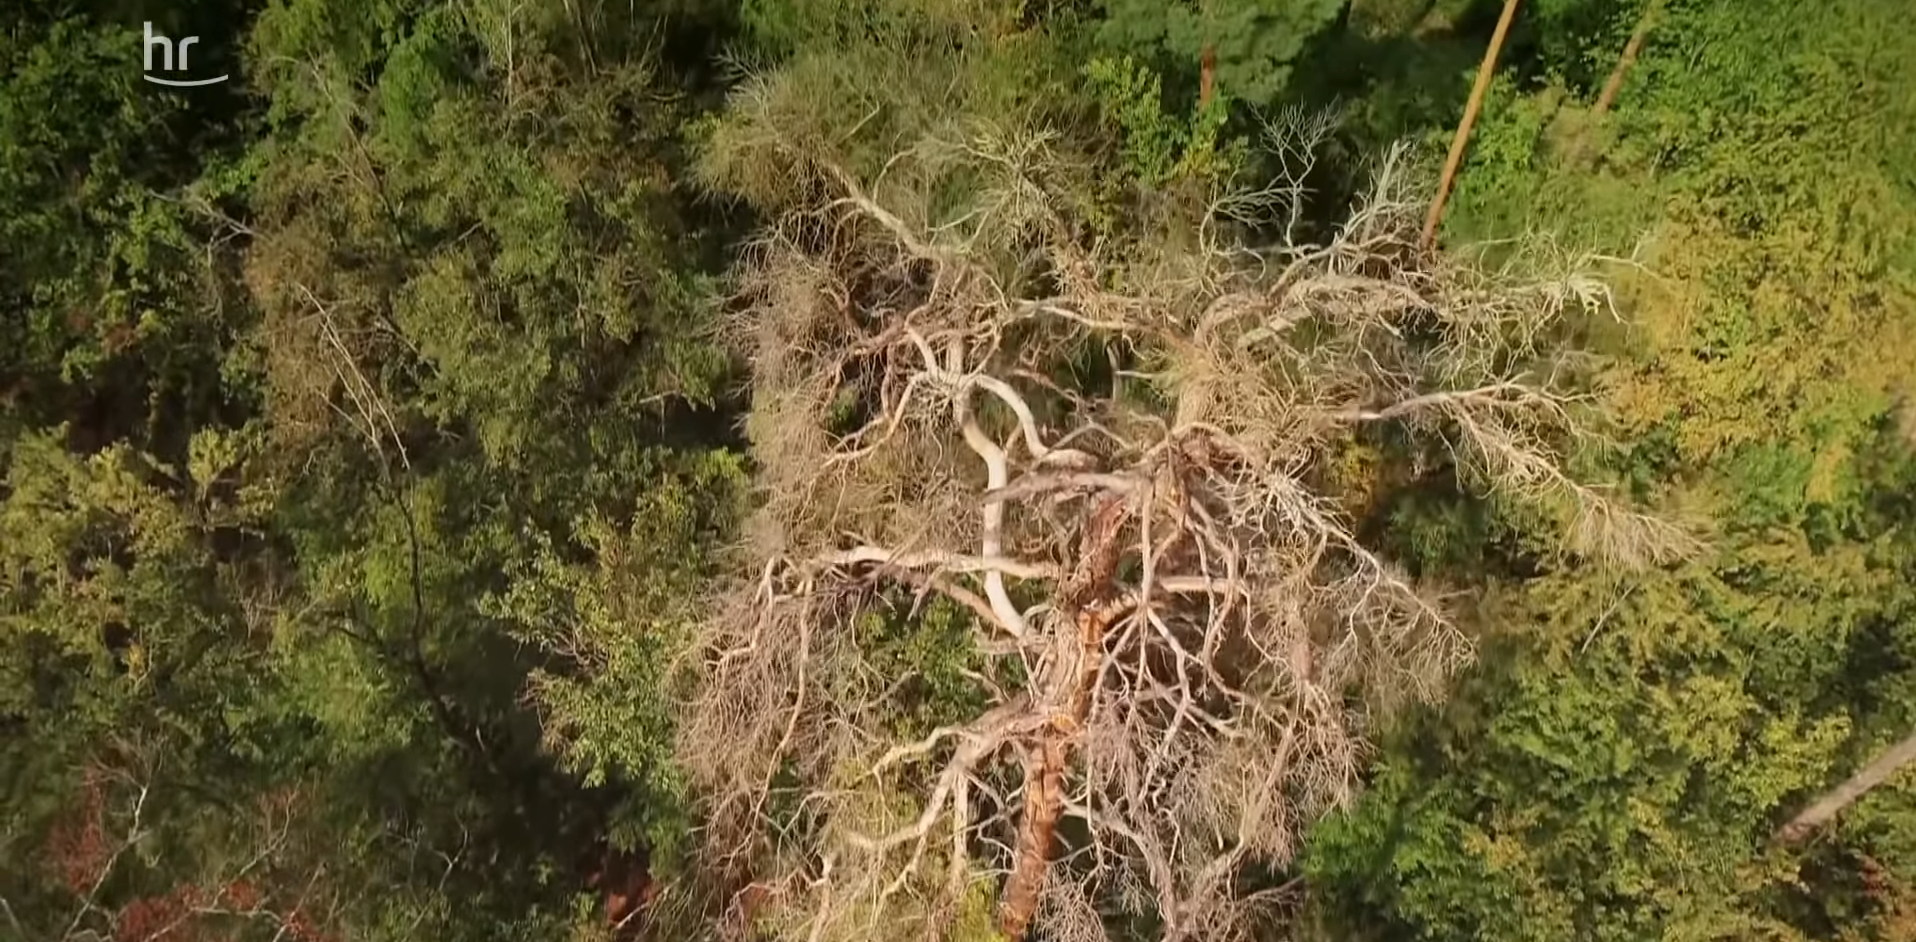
[[1614, 84], [1459, 141], [1207, 75], [1842, 796]]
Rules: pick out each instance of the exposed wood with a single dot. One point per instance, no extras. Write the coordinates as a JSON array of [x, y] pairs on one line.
[[1044, 801], [1207, 76], [1614, 85], [626, 888], [1820, 812], [1461, 139], [1088, 595]]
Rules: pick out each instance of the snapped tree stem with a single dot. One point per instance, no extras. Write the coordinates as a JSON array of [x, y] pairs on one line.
[[1842, 796]]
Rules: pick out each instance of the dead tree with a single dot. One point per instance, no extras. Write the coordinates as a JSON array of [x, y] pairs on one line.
[[1178, 634]]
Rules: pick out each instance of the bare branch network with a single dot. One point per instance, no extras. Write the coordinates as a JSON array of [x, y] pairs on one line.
[[1178, 627]]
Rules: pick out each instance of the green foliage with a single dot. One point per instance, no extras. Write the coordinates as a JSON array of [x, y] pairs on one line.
[[897, 71], [1157, 147], [621, 621], [106, 306], [1617, 770], [1255, 41], [544, 269], [783, 28], [361, 428], [929, 645], [254, 532], [1575, 42]]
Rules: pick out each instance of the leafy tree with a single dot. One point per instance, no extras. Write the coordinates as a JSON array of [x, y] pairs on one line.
[[464, 271], [475, 276], [1619, 770], [1253, 42]]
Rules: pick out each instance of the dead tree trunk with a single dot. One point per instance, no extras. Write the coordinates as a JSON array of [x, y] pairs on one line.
[[1462, 137], [1089, 597], [1044, 766], [1842, 796], [1614, 85]]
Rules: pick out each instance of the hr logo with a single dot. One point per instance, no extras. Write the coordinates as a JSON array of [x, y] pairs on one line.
[[167, 47]]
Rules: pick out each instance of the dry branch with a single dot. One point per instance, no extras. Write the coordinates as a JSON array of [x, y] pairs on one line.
[[1175, 581]]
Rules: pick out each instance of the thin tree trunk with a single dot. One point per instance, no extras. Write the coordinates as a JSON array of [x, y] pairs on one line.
[[1842, 796], [1614, 85], [1462, 137], [1207, 75]]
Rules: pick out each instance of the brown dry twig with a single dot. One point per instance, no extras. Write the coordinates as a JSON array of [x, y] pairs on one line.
[[1177, 584]]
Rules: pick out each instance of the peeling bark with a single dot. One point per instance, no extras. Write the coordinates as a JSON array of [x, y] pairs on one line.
[[1044, 802], [1088, 595]]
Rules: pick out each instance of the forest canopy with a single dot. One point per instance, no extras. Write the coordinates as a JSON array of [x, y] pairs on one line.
[[986, 470]]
